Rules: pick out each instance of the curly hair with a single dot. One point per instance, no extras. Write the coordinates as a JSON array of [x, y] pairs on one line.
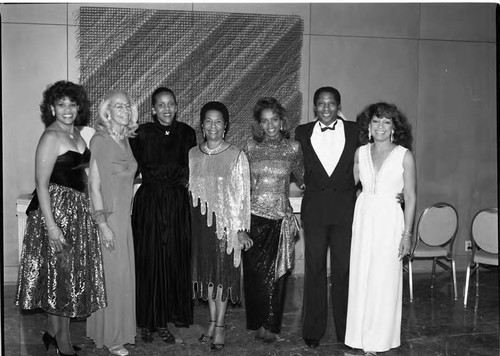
[[159, 91], [60, 90], [217, 106], [402, 128], [104, 124], [275, 106]]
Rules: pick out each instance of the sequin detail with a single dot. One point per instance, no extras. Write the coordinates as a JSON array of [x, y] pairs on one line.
[[221, 183], [69, 283], [271, 164]]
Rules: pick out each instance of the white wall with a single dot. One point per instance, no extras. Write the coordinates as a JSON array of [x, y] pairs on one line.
[[435, 61]]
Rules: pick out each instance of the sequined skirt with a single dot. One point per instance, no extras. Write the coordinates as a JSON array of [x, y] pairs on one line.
[[68, 283]]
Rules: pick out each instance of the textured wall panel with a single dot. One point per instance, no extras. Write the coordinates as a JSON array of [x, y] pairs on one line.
[[202, 56]]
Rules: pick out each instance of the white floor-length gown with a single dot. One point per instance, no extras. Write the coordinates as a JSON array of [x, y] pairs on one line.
[[375, 280]]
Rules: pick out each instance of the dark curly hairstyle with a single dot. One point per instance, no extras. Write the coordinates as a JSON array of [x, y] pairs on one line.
[[60, 90], [402, 128], [157, 92], [275, 106], [218, 106]]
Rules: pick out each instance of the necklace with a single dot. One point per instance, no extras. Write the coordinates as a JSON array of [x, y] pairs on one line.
[[120, 136], [214, 150], [70, 133]]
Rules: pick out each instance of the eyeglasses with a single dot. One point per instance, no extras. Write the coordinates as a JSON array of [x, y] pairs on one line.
[[122, 107]]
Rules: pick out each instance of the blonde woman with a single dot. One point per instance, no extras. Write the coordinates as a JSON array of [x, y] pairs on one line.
[[111, 176]]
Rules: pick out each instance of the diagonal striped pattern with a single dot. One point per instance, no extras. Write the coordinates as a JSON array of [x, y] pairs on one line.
[[202, 56]]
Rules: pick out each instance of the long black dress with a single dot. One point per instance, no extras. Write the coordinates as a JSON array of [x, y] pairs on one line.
[[161, 225]]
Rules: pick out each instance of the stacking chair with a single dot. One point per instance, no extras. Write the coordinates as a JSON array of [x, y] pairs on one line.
[[484, 239], [435, 234]]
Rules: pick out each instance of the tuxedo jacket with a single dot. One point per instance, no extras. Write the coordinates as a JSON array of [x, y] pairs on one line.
[[328, 199]]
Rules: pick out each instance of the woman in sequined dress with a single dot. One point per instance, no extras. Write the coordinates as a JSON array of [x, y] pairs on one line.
[[220, 189], [61, 268], [161, 220], [111, 189], [274, 228]]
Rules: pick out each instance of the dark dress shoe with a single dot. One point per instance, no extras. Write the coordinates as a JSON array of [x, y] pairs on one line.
[[146, 335], [312, 343]]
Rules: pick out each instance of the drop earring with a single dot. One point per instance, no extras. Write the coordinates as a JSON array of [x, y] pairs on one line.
[[204, 135], [392, 136], [369, 135]]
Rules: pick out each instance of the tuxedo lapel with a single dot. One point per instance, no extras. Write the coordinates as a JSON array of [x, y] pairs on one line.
[[314, 155], [343, 155]]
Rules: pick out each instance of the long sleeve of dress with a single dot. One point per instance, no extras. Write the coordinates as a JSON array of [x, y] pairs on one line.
[[298, 164], [100, 155], [240, 212]]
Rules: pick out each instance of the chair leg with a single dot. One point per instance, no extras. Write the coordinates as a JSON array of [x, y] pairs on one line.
[[466, 288], [477, 280], [410, 279], [454, 275], [433, 272]]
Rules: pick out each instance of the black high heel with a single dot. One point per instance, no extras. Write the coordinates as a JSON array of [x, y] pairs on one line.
[[219, 347], [62, 354], [47, 340], [206, 338], [146, 335], [166, 335]]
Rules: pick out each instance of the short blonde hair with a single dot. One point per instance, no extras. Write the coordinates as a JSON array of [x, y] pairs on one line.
[[103, 122]]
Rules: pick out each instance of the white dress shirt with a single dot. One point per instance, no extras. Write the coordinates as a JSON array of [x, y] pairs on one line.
[[329, 144]]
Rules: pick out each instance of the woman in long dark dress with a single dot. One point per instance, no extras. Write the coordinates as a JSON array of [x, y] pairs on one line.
[[219, 183], [161, 220], [274, 228], [61, 268]]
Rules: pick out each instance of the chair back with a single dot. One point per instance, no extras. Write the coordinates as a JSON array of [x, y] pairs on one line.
[[485, 230], [438, 224]]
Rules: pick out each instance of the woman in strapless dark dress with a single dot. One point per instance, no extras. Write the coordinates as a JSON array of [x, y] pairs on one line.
[[61, 270]]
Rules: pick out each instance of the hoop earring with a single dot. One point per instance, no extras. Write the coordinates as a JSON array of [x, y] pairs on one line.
[[369, 135], [392, 136]]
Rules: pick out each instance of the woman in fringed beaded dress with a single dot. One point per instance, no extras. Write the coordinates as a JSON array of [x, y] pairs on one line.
[[61, 268], [111, 189], [220, 189], [161, 220], [274, 228]]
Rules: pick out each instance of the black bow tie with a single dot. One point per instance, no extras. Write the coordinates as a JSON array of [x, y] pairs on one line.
[[324, 128]]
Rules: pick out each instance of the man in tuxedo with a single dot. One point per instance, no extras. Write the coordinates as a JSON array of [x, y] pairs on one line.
[[328, 144]]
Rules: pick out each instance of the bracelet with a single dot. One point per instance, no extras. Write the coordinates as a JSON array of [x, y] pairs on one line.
[[406, 235], [100, 216]]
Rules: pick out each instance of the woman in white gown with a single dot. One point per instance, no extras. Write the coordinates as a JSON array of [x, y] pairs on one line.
[[381, 234]]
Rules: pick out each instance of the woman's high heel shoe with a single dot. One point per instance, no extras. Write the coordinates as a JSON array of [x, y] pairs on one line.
[[219, 347], [47, 340], [62, 354], [206, 338]]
